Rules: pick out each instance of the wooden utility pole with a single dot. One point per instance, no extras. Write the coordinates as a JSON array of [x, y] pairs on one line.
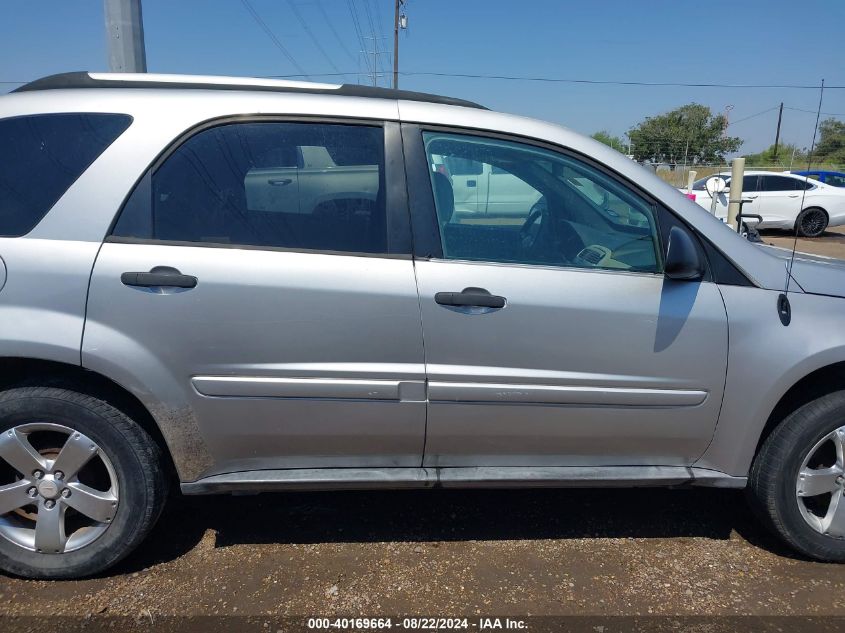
[[125, 36], [777, 134], [396, 44]]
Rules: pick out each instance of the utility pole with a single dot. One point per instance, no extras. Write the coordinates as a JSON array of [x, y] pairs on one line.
[[125, 36], [399, 21], [777, 134]]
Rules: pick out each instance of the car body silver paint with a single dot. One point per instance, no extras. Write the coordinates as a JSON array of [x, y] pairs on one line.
[[547, 380], [43, 305], [765, 361], [277, 328], [815, 274]]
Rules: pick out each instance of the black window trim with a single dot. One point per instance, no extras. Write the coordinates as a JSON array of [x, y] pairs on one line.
[[426, 232], [399, 240]]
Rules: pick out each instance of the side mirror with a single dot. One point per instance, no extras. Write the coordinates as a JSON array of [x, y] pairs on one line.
[[682, 260]]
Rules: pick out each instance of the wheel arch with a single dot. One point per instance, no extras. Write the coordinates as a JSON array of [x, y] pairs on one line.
[[816, 384], [19, 371]]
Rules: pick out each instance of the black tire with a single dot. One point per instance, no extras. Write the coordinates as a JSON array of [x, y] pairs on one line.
[[774, 474], [811, 222], [137, 464]]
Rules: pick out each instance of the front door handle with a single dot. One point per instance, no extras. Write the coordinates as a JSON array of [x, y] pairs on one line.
[[280, 182], [160, 276], [470, 298]]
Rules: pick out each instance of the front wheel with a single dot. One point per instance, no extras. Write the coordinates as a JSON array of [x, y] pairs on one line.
[[81, 483], [797, 482], [811, 222]]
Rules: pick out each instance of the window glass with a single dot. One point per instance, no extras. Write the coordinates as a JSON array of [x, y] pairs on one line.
[[41, 156], [750, 184], [780, 183], [541, 208], [289, 185], [462, 167], [835, 180]]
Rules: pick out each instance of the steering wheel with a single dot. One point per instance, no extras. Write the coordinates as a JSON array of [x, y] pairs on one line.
[[532, 228]]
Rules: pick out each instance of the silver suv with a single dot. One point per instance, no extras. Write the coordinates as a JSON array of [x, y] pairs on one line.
[[251, 285]]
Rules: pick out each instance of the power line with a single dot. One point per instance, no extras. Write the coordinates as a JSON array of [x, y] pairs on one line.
[[813, 111], [752, 116], [378, 61], [353, 11], [334, 31], [409, 73], [619, 83], [310, 33], [272, 36]]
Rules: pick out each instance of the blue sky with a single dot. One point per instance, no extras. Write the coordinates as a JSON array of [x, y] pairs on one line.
[[771, 41]]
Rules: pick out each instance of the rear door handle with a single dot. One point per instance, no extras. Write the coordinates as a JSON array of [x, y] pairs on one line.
[[160, 276], [470, 298]]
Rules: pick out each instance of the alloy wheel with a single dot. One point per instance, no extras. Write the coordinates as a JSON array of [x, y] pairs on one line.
[[813, 222], [58, 489], [820, 487]]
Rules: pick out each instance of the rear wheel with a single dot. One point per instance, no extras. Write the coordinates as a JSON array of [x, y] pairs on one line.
[[797, 482], [811, 222], [81, 483]]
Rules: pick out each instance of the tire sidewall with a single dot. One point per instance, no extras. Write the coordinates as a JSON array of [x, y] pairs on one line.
[[800, 219], [805, 538], [132, 491]]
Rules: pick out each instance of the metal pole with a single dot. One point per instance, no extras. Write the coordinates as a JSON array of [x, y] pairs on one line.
[[777, 134], [125, 36], [737, 173], [396, 44]]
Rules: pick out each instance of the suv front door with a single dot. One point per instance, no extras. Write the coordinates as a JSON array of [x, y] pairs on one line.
[[556, 340], [270, 322]]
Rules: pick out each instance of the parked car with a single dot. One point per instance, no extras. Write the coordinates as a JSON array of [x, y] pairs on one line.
[[169, 317], [832, 178], [786, 201]]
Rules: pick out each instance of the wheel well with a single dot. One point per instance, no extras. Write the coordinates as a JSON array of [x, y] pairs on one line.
[[815, 385], [18, 371]]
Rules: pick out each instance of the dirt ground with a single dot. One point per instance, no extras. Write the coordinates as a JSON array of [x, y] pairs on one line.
[[447, 553]]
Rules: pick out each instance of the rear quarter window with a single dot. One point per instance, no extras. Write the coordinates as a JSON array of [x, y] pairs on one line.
[[42, 155]]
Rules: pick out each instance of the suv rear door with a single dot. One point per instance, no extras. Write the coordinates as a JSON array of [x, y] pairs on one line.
[[274, 333]]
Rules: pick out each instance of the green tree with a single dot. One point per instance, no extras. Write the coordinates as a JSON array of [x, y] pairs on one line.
[[787, 154], [691, 131], [609, 139], [831, 145]]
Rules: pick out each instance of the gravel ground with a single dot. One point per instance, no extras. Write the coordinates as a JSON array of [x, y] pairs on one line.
[[449, 552]]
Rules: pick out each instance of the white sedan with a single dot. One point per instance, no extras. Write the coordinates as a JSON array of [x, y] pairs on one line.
[[778, 197]]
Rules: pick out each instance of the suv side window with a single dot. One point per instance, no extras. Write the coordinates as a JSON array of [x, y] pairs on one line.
[[42, 155], [308, 186], [547, 208]]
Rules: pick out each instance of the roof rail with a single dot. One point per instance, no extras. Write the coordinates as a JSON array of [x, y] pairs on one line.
[[76, 80]]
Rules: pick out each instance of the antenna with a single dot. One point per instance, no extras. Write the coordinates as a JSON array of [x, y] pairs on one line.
[[784, 309]]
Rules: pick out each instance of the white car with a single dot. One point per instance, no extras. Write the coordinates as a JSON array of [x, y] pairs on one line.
[[778, 197]]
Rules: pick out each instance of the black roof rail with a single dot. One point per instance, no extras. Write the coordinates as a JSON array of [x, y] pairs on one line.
[[76, 80]]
